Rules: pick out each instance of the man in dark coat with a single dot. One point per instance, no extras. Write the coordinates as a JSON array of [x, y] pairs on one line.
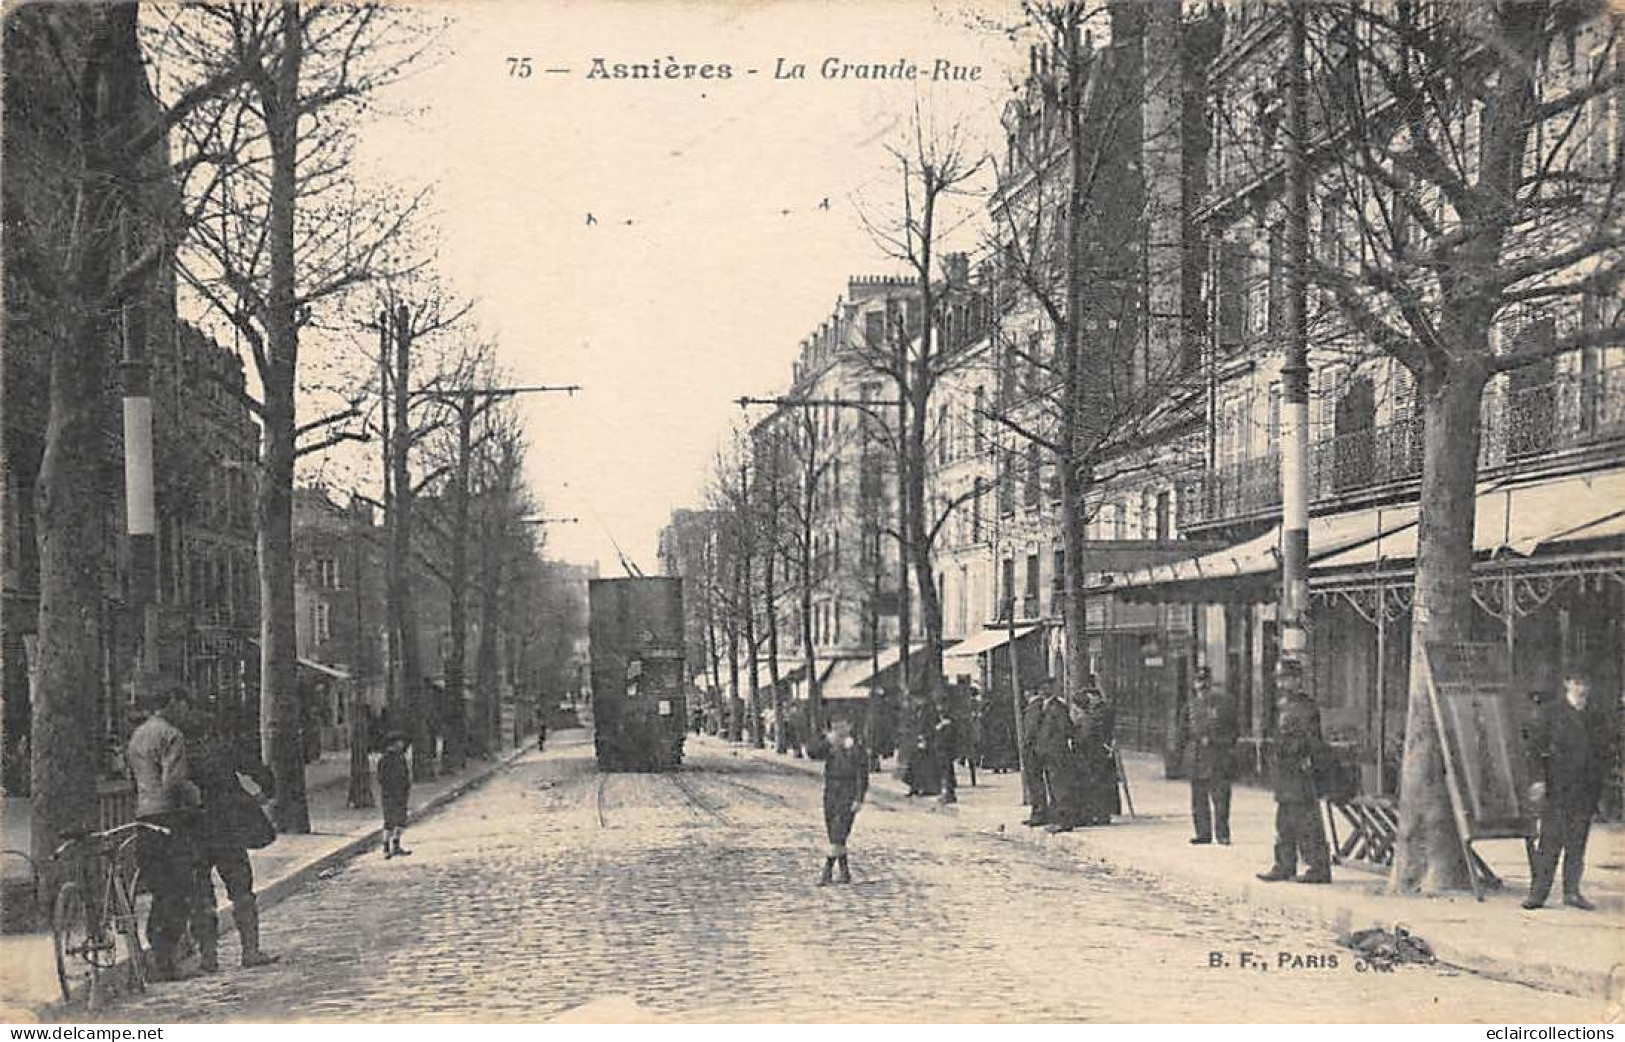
[[1032, 761], [1064, 764], [1298, 831], [231, 823], [1211, 757], [1569, 757], [846, 783], [1096, 722]]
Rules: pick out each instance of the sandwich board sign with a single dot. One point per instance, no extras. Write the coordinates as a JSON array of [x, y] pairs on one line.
[[1481, 722]]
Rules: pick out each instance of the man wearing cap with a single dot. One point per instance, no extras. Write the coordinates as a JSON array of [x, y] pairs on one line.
[[1210, 754], [1298, 831], [166, 797]]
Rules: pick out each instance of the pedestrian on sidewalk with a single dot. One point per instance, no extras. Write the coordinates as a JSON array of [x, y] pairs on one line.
[[394, 788], [1298, 831], [1061, 752], [232, 825], [944, 741], [1096, 723], [166, 797], [1034, 775], [1210, 754], [1569, 757], [846, 783]]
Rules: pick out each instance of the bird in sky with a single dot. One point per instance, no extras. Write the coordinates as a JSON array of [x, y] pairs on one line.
[[825, 204], [784, 213], [591, 220]]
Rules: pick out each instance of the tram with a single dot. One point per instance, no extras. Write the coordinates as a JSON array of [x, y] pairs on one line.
[[639, 710]]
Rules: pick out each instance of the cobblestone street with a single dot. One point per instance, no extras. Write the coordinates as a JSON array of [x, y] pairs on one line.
[[557, 891]]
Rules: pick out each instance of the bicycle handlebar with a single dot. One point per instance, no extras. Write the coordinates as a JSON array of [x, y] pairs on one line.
[[69, 839]]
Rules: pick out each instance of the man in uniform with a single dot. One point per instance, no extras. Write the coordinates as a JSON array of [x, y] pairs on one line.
[[1298, 831], [1569, 758], [1033, 762], [1211, 756]]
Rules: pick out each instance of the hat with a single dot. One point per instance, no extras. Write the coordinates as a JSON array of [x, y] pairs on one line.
[[397, 736]]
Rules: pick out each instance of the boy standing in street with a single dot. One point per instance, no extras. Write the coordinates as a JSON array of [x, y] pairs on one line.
[[394, 787]]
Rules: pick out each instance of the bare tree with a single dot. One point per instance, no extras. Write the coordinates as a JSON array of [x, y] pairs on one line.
[[286, 233], [1071, 226], [87, 158], [936, 170], [1471, 144]]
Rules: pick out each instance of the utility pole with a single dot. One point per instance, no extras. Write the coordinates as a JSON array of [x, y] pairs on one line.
[[140, 505], [1295, 372]]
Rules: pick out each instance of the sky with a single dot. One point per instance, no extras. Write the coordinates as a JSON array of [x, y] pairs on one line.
[[694, 286]]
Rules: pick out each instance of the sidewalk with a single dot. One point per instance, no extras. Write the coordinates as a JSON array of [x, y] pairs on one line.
[[338, 832], [1556, 948]]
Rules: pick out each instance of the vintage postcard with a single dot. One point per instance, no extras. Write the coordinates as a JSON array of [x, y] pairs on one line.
[[918, 511]]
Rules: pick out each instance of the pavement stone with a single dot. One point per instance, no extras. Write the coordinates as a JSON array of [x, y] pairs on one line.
[[1556, 948], [555, 892]]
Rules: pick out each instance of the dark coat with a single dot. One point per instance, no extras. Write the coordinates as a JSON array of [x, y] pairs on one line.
[[394, 787], [1293, 753], [1031, 714], [1054, 737], [1211, 739], [1570, 753], [230, 818], [846, 780]]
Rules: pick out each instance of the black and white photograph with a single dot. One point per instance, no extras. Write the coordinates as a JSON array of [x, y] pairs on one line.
[[810, 512]]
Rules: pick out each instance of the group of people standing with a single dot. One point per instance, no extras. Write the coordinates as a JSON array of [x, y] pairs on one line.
[[189, 782], [1069, 758]]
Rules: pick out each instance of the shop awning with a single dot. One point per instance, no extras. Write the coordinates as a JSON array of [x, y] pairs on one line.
[[856, 677], [1249, 570], [980, 643], [1514, 519], [790, 671]]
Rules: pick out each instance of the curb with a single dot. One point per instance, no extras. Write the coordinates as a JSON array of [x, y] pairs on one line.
[[274, 891], [1605, 985], [279, 889]]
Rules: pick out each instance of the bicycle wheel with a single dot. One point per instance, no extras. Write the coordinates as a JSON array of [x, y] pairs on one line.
[[127, 924], [75, 946]]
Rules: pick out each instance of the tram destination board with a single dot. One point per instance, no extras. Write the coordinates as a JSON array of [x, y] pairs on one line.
[[636, 646]]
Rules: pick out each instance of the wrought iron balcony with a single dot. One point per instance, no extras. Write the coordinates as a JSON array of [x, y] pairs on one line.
[[1566, 412]]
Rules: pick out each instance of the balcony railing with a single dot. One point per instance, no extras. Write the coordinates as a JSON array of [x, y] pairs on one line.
[[1566, 412]]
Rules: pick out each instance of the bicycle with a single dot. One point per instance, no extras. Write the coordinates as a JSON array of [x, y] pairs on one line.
[[94, 926]]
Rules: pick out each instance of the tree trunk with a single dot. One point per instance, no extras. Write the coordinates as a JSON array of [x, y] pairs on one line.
[[281, 714], [72, 509], [1428, 855], [414, 695], [815, 701], [770, 595], [753, 707], [457, 654], [71, 500], [1077, 466], [732, 722], [487, 706]]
